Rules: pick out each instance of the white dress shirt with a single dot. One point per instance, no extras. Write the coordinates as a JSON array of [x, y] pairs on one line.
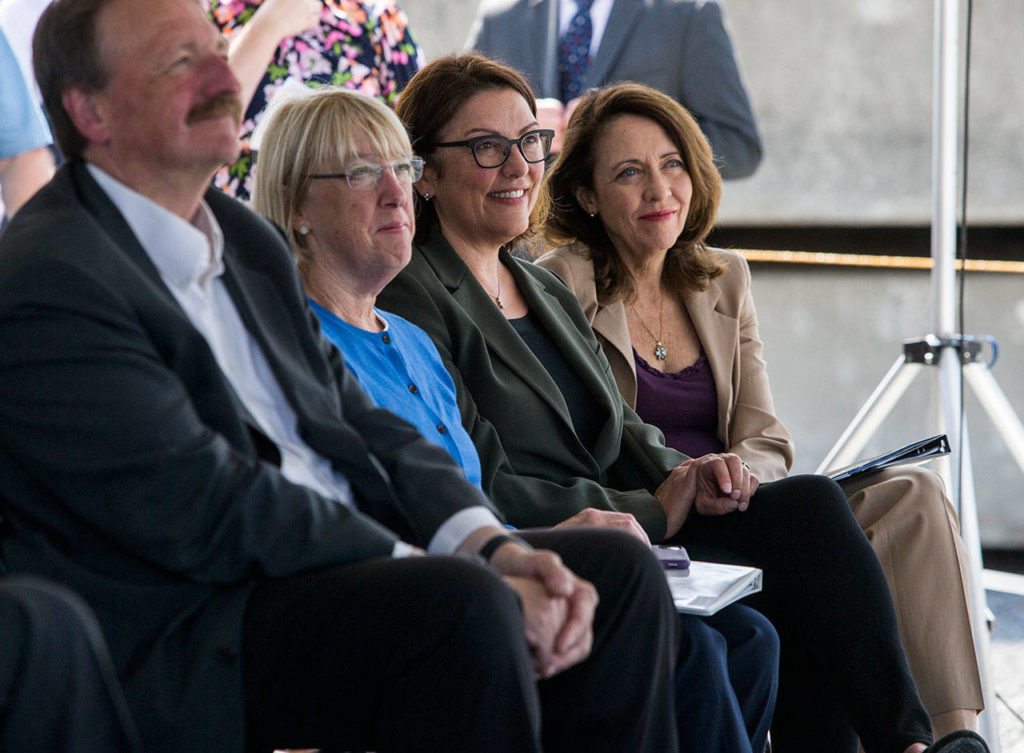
[[190, 259]]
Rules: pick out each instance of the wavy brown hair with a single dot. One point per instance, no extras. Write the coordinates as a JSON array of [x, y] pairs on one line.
[[689, 266], [432, 99]]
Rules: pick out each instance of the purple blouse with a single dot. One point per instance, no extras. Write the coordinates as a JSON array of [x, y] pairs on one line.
[[684, 405]]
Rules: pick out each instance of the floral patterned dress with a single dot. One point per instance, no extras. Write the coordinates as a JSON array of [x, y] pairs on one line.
[[359, 44]]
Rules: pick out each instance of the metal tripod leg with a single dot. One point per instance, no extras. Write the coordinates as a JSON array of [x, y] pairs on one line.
[[988, 722], [998, 408], [953, 360], [887, 394], [984, 386], [946, 354]]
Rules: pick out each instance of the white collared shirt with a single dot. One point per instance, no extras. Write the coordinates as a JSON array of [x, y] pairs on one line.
[[599, 13], [190, 259]]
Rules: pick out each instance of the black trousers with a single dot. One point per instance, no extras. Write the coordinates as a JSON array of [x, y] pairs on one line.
[[726, 681], [58, 688], [842, 670], [427, 654]]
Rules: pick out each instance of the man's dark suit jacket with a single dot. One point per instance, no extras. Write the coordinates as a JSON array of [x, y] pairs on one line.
[[130, 471], [680, 47], [535, 468]]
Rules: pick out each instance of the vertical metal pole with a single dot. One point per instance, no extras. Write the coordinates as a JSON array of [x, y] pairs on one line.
[[944, 221], [945, 189], [988, 722], [945, 174]]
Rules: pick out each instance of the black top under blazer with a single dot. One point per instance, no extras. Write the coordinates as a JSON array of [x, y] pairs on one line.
[[131, 472], [535, 469]]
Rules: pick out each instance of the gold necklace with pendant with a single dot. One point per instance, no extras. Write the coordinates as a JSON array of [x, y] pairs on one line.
[[660, 352]]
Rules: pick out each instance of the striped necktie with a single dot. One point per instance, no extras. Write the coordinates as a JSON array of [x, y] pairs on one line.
[[574, 51]]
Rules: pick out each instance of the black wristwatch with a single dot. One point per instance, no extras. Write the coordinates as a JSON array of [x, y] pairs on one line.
[[491, 545]]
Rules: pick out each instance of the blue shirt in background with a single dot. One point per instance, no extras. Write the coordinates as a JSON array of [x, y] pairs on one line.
[[22, 126], [402, 371]]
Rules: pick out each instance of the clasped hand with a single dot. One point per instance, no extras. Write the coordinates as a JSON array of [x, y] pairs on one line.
[[558, 607], [714, 484]]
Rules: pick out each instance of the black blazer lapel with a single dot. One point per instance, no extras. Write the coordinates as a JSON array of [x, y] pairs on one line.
[[259, 304], [586, 363], [502, 340], [112, 223], [549, 311], [317, 405]]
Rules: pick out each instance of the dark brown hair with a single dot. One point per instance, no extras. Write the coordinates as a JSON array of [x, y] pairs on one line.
[[689, 266], [65, 54], [432, 99]]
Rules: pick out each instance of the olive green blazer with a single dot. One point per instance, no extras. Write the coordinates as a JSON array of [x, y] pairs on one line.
[[726, 324], [535, 468]]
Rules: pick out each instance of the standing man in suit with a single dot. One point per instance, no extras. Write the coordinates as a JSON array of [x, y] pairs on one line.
[[681, 47], [179, 446]]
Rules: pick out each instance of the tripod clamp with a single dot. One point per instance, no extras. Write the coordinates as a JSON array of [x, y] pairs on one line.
[[926, 350]]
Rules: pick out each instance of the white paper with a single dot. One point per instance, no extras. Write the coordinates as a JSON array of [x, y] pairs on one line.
[[706, 587]]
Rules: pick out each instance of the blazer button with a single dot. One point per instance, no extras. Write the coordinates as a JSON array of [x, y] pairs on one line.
[[386, 338], [413, 389], [441, 429]]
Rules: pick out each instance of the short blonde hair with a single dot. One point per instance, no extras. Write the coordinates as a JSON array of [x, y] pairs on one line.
[[316, 133]]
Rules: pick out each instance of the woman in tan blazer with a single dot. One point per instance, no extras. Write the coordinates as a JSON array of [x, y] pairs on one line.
[[702, 320]]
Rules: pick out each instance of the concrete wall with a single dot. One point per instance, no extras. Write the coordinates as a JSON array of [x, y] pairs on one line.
[[842, 89], [830, 336]]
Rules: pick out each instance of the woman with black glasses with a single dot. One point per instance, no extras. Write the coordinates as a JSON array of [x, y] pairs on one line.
[[512, 337]]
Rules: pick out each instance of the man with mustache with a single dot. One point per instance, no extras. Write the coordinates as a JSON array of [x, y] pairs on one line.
[[225, 104], [180, 447]]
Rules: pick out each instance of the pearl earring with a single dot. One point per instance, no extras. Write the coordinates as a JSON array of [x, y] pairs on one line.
[[303, 230]]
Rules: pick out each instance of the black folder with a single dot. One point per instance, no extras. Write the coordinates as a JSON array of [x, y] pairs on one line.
[[916, 452]]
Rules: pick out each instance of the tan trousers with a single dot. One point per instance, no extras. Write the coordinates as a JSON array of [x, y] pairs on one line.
[[915, 532]]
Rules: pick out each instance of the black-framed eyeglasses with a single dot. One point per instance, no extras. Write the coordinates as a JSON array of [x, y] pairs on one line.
[[369, 174], [492, 151]]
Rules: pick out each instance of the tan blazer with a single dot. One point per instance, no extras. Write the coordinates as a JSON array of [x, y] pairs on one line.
[[903, 511], [726, 323]]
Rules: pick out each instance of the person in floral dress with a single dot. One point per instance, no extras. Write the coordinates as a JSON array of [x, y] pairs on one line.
[[359, 44]]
